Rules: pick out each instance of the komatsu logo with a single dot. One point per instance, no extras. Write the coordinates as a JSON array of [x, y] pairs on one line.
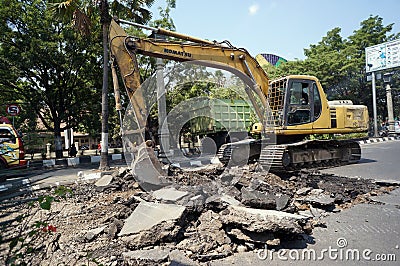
[[169, 51]]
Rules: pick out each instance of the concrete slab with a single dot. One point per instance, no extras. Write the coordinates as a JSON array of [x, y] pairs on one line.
[[263, 214], [148, 214], [169, 194], [104, 181], [322, 199], [230, 200]]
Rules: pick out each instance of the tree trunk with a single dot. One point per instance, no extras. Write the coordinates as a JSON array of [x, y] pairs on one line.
[[104, 164], [57, 140]]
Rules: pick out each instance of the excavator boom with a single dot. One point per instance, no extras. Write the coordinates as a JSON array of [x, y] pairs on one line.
[[219, 55]]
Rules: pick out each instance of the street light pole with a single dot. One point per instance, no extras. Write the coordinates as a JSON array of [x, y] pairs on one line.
[[162, 109], [387, 79], [374, 105]]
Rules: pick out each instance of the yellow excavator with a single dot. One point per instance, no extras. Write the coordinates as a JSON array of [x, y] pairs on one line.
[[297, 106]]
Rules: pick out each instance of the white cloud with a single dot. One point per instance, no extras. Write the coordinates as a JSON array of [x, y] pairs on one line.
[[253, 9]]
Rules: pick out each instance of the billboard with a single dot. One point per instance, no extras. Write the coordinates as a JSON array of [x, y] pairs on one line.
[[382, 56]]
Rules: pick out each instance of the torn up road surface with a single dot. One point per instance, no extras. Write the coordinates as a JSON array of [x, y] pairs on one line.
[[201, 216]]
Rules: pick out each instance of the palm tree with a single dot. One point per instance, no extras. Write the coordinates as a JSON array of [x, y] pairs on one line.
[[130, 9]]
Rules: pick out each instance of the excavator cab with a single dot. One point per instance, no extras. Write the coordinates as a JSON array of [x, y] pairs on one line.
[[296, 102], [303, 102]]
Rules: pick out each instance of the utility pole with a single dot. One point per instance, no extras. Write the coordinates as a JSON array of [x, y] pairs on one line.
[[387, 79], [162, 109], [374, 105]]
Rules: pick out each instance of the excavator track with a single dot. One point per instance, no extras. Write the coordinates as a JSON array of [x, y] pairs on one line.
[[293, 156], [239, 153], [309, 154]]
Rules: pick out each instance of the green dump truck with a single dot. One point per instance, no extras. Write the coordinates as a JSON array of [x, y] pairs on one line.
[[222, 120]]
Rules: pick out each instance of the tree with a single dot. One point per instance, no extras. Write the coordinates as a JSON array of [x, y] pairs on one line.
[[46, 67], [340, 63], [129, 8]]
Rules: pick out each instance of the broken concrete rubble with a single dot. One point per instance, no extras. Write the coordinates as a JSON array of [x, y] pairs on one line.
[[257, 199], [169, 194], [320, 200], [215, 214], [148, 214], [105, 180], [208, 236], [257, 220]]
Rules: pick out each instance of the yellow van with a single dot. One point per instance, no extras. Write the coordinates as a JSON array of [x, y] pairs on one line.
[[12, 153]]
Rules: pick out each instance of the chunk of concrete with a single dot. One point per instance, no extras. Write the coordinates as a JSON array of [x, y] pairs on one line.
[[178, 258], [146, 257], [169, 194], [230, 200], [303, 190], [257, 199], [282, 201], [148, 214], [321, 200], [91, 234], [259, 220], [105, 180]]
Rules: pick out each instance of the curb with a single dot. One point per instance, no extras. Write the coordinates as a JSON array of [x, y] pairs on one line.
[[74, 161], [374, 140]]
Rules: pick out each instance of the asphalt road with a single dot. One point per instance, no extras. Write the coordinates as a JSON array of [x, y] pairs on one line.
[[379, 161], [22, 182]]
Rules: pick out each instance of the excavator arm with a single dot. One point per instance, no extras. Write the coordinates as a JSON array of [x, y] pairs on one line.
[[124, 48], [218, 55]]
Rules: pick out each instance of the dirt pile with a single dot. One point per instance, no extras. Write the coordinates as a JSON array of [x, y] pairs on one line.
[[202, 216]]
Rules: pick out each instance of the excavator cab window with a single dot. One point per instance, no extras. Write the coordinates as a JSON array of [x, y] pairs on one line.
[[299, 109], [317, 102]]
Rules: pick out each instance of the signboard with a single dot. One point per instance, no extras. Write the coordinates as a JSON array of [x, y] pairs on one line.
[[382, 56], [13, 109]]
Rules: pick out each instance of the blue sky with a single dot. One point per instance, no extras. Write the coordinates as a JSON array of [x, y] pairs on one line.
[[281, 27]]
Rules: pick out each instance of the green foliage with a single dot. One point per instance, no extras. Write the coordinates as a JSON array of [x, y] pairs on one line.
[[52, 71], [320, 137], [339, 64], [352, 136]]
